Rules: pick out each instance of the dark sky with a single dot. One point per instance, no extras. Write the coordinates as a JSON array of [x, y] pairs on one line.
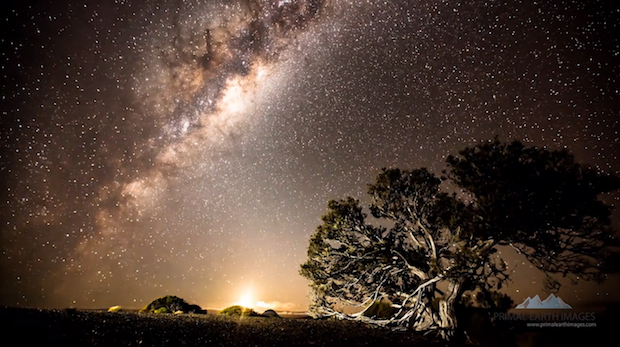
[[190, 147]]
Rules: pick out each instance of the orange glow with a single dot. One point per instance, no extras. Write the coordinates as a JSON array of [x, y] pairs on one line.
[[247, 299]]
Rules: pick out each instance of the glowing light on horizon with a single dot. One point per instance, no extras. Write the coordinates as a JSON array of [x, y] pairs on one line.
[[247, 300]]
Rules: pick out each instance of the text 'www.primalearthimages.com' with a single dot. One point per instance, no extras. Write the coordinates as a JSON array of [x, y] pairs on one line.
[[560, 325]]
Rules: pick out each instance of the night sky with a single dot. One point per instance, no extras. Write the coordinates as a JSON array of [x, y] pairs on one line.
[[190, 147]]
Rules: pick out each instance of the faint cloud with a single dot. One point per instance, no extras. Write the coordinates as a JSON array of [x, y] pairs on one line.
[[275, 305]]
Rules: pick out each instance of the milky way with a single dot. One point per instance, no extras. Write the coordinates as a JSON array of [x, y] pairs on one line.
[[189, 148]]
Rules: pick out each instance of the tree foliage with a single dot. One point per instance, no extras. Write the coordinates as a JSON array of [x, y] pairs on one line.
[[171, 304], [238, 311], [541, 203]]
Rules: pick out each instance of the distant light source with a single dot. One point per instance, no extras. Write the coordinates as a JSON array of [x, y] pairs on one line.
[[246, 301]]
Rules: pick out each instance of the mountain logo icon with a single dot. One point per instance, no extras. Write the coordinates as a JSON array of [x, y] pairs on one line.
[[550, 303]]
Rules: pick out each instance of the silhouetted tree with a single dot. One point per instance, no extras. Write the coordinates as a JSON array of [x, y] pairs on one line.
[[539, 202], [238, 311], [171, 303]]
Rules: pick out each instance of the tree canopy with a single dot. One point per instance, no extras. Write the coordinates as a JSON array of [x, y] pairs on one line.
[[539, 202], [238, 311], [171, 304]]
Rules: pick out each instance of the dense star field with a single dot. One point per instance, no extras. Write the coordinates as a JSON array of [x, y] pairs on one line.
[[190, 147]]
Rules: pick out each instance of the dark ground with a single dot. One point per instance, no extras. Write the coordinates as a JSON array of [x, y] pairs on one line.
[[39, 327]]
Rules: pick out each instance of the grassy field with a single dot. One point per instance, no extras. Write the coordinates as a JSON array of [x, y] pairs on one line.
[[40, 327]]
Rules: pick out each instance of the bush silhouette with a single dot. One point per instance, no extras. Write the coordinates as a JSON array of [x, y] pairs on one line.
[[238, 311], [379, 309], [115, 309], [172, 304], [196, 309], [271, 314]]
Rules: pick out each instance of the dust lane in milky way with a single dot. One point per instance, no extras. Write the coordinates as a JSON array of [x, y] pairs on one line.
[[189, 148]]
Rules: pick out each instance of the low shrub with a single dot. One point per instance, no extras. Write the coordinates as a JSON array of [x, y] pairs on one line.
[[172, 304], [162, 310], [271, 314], [380, 309], [238, 311], [114, 309]]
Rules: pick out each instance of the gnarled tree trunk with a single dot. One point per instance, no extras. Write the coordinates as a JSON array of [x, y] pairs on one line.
[[447, 316], [425, 317], [421, 316]]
